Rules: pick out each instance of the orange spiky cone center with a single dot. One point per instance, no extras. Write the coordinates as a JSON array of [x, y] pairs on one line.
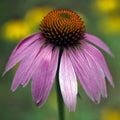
[[63, 28]]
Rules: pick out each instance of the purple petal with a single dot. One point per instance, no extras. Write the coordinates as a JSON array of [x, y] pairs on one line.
[[97, 73], [95, 40], [26, 68], [97, 56], [44, 75], [86, 78], [22, 49], [68, 82]]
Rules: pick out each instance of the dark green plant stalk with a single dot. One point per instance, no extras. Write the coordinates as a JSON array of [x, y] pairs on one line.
[[59, 95]]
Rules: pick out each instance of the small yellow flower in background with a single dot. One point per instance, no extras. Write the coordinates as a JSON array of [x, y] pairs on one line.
[[36, 15], [106, 6], [15, 30], [110, 114], [110, 25]]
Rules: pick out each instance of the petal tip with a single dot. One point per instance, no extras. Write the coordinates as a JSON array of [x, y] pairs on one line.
[[38, 103], [98, 42], [3, 73], [12, 89], [113, 85]]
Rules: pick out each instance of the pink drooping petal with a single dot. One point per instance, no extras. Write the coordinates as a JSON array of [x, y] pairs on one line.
[[26, 68], [68, 82], [97, 56], [22, 49], [44, 75], [86, 78], [97, 73], [95, 40]]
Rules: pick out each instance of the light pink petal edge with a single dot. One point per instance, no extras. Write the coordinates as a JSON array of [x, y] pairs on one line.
[[68, 82], [97, 73], [84, 75], [26, 68], [95, 40], [44, 75], [20, 51], [97, 56]]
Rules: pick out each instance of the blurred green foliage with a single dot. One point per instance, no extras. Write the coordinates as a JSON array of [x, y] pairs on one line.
[[103, 20]]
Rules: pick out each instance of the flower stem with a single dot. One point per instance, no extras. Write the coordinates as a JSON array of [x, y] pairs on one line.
[[59, 95]]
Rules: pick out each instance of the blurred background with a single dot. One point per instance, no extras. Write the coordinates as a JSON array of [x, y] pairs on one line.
[[20, 18]]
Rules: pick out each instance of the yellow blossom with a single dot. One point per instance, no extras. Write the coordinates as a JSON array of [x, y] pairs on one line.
[[35, 16], [15, 30], [110, 25], [106, 6], [110, 114]]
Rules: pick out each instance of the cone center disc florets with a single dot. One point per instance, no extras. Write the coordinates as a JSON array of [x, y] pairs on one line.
[[62, 28]]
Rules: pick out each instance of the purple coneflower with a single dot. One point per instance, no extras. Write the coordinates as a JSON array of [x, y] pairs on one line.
[[61, 45]]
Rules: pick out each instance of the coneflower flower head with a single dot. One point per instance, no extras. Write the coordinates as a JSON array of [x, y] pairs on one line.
[[38, 54], [63, 28]]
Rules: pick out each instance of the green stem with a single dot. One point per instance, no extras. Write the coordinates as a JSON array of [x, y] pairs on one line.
[[59, 95]]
